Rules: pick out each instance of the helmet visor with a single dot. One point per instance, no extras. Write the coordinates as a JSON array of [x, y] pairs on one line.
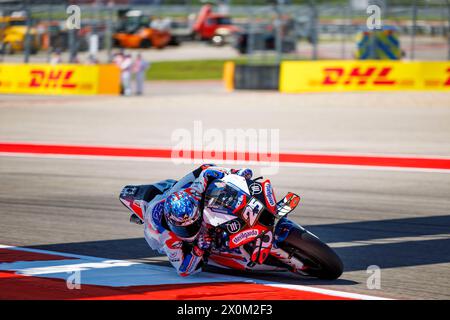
[[186, 231]]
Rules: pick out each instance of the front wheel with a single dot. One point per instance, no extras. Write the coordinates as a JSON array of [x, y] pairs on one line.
[[318, 258]]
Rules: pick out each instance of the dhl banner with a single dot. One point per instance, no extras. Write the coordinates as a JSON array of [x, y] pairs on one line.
[[59, 79], [371, 75]]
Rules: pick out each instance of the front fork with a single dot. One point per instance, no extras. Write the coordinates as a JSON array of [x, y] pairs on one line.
[[281, 232]]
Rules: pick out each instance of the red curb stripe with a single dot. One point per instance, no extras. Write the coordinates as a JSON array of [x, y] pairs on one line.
[[16, 286], [8, 255], [355, 160]]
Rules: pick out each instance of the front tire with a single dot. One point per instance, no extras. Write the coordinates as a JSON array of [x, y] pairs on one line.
[[318, 258]]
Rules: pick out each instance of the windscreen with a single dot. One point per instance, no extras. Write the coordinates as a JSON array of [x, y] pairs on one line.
[[220, 195], [224, 21]]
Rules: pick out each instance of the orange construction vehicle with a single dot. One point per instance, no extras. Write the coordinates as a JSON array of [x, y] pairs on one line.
[[135, 30]]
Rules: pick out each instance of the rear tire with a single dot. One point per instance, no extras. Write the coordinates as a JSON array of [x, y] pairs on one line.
[[320, 260]]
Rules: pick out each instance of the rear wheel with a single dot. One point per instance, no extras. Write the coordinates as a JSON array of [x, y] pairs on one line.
[[318, 258]]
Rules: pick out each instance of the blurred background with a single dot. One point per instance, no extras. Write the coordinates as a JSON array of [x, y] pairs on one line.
[[381, 88], [247, 31]]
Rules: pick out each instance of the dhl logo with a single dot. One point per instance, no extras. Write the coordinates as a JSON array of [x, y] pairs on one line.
[[51, 79], [363, 76], [323, 76], [358, 75]]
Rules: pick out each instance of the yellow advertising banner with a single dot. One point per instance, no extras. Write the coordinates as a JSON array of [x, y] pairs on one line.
[[335, 75], [62, 79]]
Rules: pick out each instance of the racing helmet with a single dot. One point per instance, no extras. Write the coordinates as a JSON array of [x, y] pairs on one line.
[[183, 215]]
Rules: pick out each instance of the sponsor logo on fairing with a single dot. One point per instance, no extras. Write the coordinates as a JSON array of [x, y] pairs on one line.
[[268, 191], [233, 226], [255, 188], [252, 211], [244, 235]]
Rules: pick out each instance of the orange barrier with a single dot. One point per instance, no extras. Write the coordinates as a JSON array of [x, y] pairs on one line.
[[228, 75], [63, 79]]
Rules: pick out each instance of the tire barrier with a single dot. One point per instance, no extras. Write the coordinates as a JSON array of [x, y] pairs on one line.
[[251, 77]]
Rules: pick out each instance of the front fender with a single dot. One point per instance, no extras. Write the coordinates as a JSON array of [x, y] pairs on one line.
[[283, 228]]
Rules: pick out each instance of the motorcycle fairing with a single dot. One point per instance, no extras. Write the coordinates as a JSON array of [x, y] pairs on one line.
[[239, 259], [236, 258], [269, 196], [287, 204], [215, 218], [136, 198], [252, 211], [239, 182], [262, 249], [246, 235]]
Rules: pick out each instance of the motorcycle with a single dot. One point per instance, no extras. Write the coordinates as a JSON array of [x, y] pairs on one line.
[[250, 230]]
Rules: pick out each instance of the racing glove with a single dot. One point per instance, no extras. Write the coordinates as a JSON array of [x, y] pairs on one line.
[[211, 174], [244, 172], [192, 262], [204, 240]]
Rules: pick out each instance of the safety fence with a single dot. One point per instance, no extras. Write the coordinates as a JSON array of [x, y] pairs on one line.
[[62, 79]]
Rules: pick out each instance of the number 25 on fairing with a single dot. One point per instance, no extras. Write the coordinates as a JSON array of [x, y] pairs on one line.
[[252, 211]]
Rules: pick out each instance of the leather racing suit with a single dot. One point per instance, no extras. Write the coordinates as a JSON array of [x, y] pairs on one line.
[[185, 257]]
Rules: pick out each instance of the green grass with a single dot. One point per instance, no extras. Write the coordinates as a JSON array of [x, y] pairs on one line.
[[201, 69], [186, 70]]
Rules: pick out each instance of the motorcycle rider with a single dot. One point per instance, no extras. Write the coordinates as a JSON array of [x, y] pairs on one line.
[[173, 222]]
